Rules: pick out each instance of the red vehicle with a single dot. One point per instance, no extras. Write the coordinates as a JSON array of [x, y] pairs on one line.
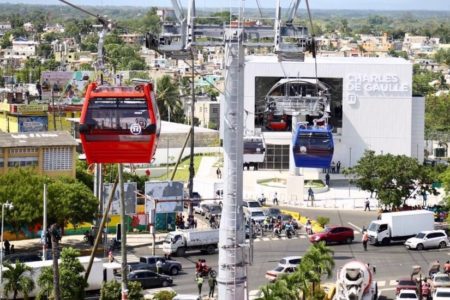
[[119, 124], [334, 234], [412, 284]]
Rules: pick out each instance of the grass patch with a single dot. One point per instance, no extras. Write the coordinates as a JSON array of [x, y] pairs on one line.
[[314, 183], [182, 173], [268, 181]]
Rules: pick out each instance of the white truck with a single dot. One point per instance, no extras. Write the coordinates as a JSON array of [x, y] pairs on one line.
[[209, 188], [399, 226], [100, 272], [180, 241]]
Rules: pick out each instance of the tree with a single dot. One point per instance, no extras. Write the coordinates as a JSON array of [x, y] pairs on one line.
[[320, 258], [278, 290], [437, 118], [442, 56], [70, 277], [164, 295], [112, 290], [393, 177], [17, 279], [168, 99]]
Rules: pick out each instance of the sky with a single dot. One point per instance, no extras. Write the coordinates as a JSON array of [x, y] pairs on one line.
[[439, 5]]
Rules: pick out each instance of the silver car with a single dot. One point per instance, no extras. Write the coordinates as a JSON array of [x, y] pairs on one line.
[[428, 239]]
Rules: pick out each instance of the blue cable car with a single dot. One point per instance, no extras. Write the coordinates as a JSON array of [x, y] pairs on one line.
[[313, 146]]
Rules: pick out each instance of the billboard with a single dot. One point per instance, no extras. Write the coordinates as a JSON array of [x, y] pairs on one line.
[[70, 87], [130, 189], [165, 190], [33, 123]]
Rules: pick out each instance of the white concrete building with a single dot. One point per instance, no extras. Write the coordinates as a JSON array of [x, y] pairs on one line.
[[21, 49], [372, 105]]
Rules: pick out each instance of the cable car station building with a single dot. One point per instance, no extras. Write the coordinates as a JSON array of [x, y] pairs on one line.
[[372, 107]]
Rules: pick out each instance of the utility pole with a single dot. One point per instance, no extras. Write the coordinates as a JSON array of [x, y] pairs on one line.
[[44, 225], [54, 233], [123, 238], [191, 161]]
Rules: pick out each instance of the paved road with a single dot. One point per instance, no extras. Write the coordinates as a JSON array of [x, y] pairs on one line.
[[391, 262]]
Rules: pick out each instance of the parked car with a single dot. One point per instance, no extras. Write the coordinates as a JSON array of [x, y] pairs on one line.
[[250, 204], [334, 234], [255, 214], [213, 210], [272, 212], [171, 267], [441, 294], [407, 294], [440, 280], [150, 279], [428, 239], [292, 261], [279, 271], [286, 265]]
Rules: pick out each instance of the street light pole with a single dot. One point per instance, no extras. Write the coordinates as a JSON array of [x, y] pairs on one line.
[[9, 206]]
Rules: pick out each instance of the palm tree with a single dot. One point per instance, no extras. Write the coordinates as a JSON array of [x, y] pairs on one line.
[[168, 98], [319, 261], [279, 290], [45, 282], [17, 280]]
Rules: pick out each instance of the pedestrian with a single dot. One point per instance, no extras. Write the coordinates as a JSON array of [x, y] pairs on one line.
[[199, 281], [327, 179], [424, 198], [158, 266], [7, 245], [219, 173], [212, 285], [338, 166], [39, 90], [365, 239], [310, 194], [367, 204], [275, 199], [110, 256], [333, 167]]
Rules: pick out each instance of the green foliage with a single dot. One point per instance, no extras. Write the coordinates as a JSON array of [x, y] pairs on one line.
[[164, 295], [111, 290], [421, 81], [17, 279], [68, 199], [322, 221], [437, 118], [394, 178], [5, 42], [135, 290], [122, 57], [86, 67], [71, 277], [443, 56], [50, 65], [305, 281], [168, 99], [45, 283]]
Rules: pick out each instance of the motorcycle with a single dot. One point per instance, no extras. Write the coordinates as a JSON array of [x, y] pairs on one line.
[[290, 231], [114, 245]]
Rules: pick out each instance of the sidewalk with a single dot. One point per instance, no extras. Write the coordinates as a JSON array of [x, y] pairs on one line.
[[76, 241]]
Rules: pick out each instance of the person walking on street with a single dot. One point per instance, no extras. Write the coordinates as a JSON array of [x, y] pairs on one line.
[[6, 245], [338, 166], [327, 179], [219, 173], [275, 199], [367, 204], [365, 239], [158, 266], [212, 286], [199, 280], [310, 194], [110, 256]]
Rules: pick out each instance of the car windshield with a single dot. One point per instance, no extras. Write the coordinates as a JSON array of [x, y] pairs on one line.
[[442, 294], [216, 209], [406, 282], [279, 269], [443, 278], [373, 227], [420, 235], [257, 214], [253, 204], [408, 296]]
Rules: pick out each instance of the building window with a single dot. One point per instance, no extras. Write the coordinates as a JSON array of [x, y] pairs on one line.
[[215, 110], [22, 162], [58, 158], [1, 163], [23, 150], [277, 158]]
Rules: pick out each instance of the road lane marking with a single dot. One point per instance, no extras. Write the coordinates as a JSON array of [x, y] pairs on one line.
[[266, 239], [381, 283], [393, 282], [357, 227]]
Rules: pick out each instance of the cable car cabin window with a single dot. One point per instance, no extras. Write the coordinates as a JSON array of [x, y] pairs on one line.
[[251, 147], [124, 119], [314, 140]]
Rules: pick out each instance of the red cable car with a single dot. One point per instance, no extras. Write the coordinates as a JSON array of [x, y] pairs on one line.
[[119, 124]]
